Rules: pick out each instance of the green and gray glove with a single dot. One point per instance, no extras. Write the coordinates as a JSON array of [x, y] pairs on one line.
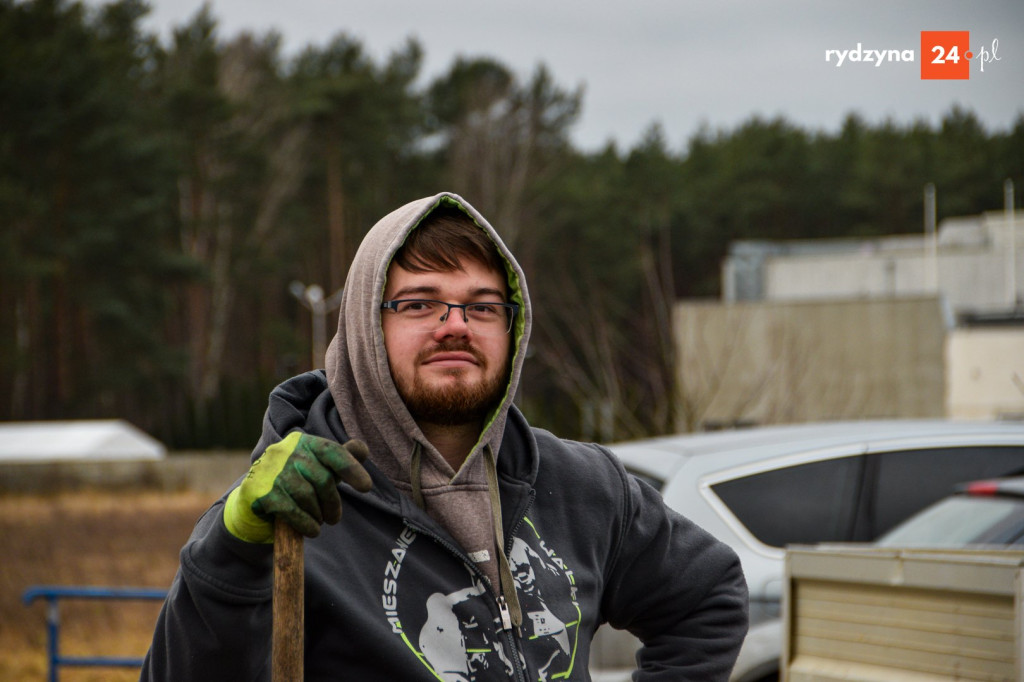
[[295, 480]]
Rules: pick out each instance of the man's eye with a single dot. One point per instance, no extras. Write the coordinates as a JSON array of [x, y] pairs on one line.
[[483, 309], [415, 307]]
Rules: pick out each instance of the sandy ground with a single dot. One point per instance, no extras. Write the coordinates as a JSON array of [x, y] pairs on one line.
[[99, 539]]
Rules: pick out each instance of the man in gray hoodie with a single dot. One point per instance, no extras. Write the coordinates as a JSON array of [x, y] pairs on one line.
[[445, 488]]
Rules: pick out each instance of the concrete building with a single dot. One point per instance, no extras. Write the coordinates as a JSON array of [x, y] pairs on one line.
[[900, 326], [985, 368], [976, 263], [786, 362]]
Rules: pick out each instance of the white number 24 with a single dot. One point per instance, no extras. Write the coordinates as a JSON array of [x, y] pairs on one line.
[[952, 55]]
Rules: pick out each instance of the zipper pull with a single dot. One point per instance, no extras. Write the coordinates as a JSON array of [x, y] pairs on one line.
[[506, 618]]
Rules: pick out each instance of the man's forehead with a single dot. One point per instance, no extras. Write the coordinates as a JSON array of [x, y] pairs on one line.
[[473, 278]]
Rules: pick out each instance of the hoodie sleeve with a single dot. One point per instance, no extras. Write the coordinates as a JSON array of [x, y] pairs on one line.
[[678, 589], [216, 621]]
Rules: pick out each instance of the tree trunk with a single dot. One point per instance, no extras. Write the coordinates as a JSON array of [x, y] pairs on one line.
[[336, 243]]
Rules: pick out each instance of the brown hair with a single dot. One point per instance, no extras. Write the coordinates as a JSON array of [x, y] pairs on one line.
[[443, 239]]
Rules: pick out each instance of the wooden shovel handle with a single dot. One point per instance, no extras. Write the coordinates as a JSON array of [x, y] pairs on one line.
[[289, 605]]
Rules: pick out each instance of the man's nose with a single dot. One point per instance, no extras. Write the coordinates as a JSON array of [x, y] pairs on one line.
[[454, 322]]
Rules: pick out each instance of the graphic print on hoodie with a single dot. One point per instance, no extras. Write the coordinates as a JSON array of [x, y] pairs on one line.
[[446, 635]]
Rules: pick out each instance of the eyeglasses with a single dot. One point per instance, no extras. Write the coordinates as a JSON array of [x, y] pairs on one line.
[[427, 315]]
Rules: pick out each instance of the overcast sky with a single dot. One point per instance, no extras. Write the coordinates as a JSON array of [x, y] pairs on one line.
[[677, 62]]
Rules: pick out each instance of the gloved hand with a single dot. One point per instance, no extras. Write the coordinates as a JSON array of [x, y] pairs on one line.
[[295, 480]]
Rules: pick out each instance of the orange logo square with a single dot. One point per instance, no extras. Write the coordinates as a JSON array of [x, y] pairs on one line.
[[945, 55]]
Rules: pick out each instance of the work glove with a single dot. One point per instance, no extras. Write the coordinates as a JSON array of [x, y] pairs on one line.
[[295, 480]]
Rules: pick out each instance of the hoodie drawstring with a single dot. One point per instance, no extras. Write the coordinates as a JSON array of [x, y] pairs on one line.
[[508, 583], [414, 476]]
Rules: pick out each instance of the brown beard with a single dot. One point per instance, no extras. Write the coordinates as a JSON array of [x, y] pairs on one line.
[[456, 404]]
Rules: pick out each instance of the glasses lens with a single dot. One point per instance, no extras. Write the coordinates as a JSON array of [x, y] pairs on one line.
[[489, 319]]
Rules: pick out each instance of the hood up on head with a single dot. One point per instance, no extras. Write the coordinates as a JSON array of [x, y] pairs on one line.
[[372, 410]]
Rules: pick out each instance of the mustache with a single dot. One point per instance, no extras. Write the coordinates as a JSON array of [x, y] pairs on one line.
[[452, 346]]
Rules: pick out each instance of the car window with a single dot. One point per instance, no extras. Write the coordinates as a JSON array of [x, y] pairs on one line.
[[908, 481], [807, 503], [958, 521]]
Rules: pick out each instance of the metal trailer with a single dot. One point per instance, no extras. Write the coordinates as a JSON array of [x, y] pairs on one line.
[[860, 613]]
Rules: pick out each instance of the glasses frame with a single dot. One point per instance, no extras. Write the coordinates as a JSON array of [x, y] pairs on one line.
[[511, 308]]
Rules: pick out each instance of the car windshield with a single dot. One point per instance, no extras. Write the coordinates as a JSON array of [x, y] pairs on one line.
[[961, 520]]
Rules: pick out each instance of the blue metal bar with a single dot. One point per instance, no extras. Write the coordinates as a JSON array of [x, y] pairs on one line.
[[99, 661], [90, 592], [53, 593]]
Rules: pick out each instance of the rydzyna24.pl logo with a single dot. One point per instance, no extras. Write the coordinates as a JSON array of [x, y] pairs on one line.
[[945, 55]]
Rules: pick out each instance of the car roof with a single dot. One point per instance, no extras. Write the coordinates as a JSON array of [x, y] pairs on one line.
[[660, 457]]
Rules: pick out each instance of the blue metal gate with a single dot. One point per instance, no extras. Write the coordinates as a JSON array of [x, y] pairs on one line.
[[53, 594]]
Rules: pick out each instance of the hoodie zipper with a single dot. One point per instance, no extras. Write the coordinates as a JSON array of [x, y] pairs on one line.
[[506, 616], [519, 521], [502, 605], [508, 631]]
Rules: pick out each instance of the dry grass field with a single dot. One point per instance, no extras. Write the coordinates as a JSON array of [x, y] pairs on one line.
[[91, 538]]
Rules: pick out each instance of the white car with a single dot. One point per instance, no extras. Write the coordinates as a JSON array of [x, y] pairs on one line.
[[986, 513], [759, 489]]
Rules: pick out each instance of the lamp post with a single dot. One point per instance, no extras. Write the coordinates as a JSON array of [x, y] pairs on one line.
[[312, 298], [931, 240], [1011, 246]]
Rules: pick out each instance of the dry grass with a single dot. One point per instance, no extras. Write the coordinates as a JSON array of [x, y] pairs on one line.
[[101, 539]]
